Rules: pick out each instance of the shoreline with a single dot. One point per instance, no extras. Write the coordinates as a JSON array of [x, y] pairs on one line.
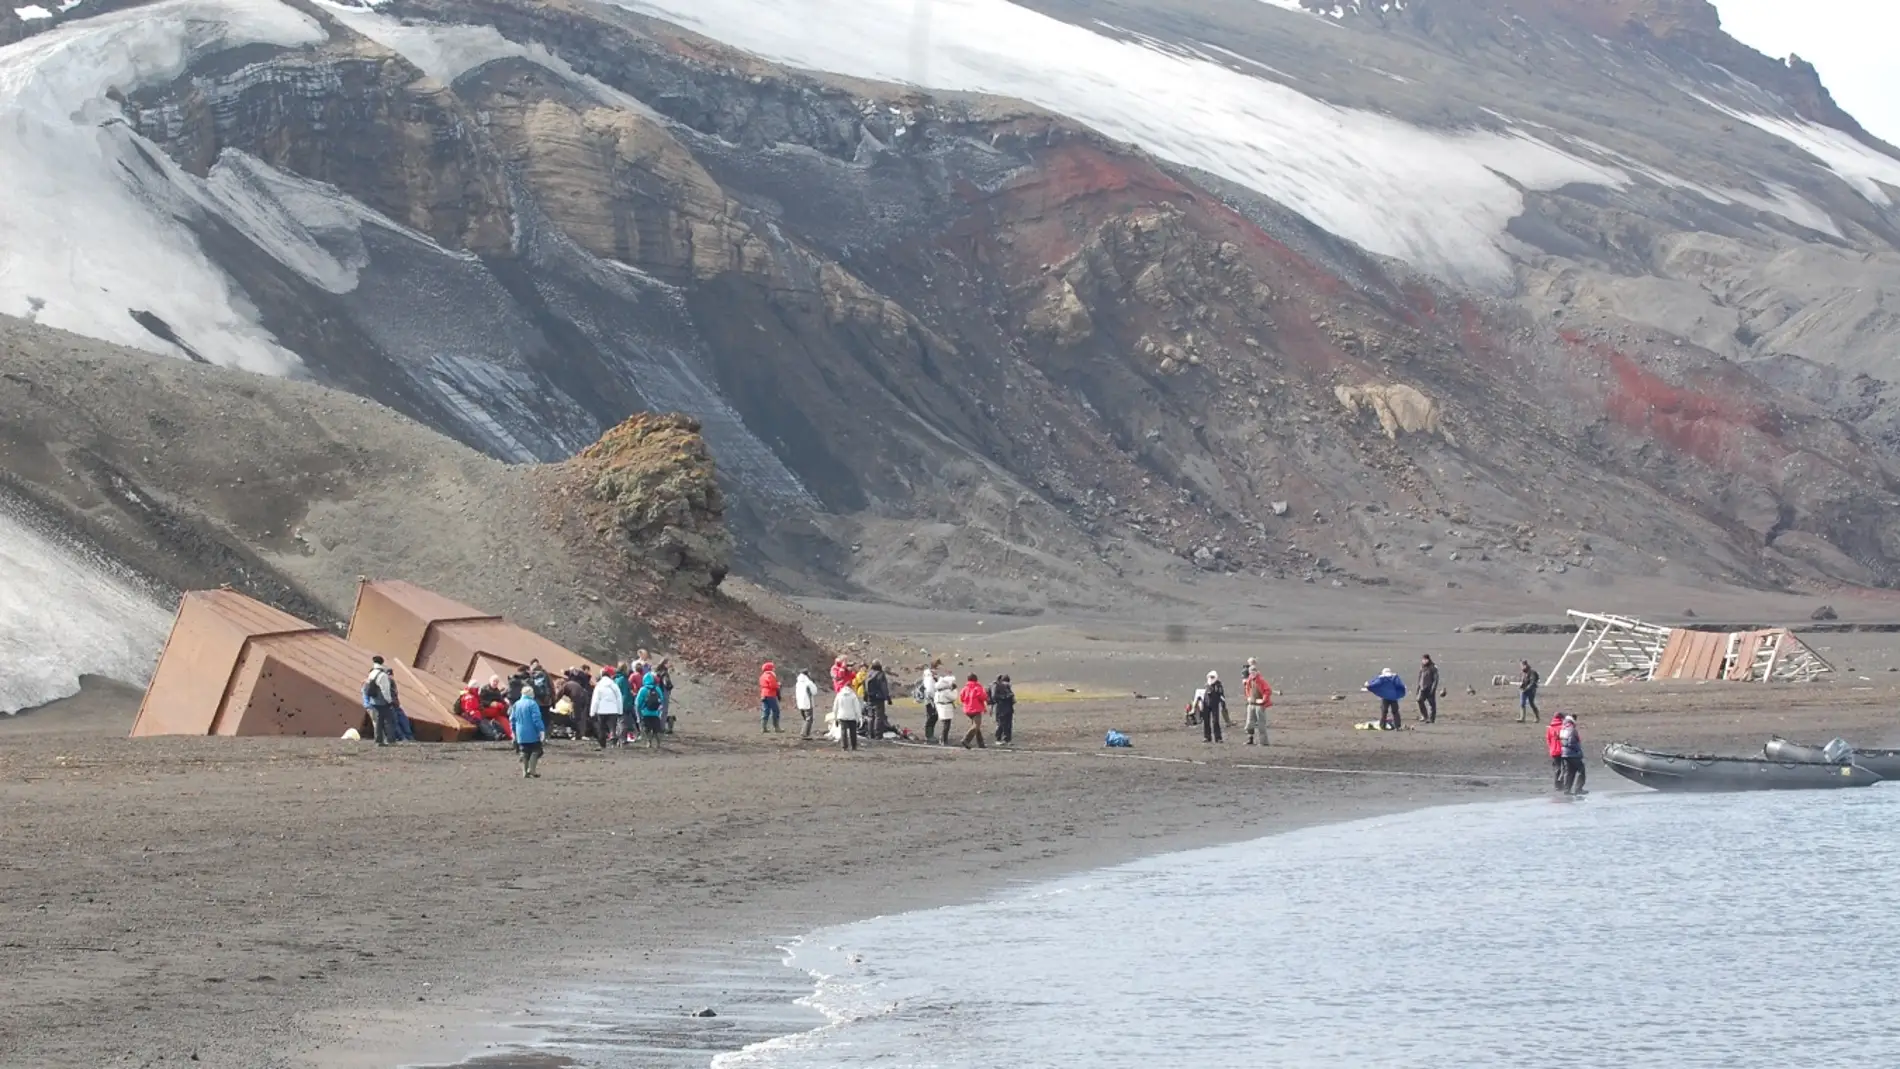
[[315, 903], [769, 950]]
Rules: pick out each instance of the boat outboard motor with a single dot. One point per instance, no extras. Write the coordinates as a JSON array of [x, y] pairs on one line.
[[1839, 751]]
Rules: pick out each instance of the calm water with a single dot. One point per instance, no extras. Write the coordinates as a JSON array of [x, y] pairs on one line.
[[1629, 929]]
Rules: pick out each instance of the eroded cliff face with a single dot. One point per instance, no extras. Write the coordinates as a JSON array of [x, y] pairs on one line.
[[954, 349]]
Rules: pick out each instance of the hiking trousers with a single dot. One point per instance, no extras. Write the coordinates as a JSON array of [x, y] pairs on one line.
[[1527, 703], [930, 724], [530, 759], [1573, 775], [975, 732], [1210, 726], [1006, 723], [1388, 714], [606, 730], [1256, 723], [1428, 707], [805, 715], [768, 714], [847, 734]]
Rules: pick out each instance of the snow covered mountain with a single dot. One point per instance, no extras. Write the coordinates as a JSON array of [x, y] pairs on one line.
[[1017, 301]]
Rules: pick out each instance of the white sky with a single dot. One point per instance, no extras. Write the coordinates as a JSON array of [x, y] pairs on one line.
[[1852, 42]]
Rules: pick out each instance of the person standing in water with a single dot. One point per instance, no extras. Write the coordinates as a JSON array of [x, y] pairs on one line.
[[1213, 708], [1427, 690], [530, 731], [1572, 741], [1527, 711], [1553, 742]]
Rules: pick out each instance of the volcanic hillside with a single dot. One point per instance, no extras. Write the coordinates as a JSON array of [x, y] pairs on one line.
[[1451, 293]]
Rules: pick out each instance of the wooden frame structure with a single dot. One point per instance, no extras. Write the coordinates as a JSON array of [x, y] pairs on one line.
[[1613, 649]]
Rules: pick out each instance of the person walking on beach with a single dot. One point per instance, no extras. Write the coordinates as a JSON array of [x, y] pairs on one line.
[[530, 731], [976, 702], [946, 704], [877, 699], [1003, 703], [1259, 695], [1553, 742], [847, 710], [1427, 690], [805, 696], [1389, 689], [768, 698], [1212, 708], [1572, 741], [605, 709], [1527, 710], [650, 703]]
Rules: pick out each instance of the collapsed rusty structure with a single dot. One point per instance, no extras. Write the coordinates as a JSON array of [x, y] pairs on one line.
[[1613, 649], [236, 666]]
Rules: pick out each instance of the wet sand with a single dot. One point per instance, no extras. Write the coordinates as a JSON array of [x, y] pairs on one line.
[[263, 902]]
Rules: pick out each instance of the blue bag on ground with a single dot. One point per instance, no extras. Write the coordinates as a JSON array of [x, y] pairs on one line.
[[1116, 738]]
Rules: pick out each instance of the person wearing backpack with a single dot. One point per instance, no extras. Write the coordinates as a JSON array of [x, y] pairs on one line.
[[651, 703], [1527, 694], [1259, 695], [1003, 703], [877, 701]]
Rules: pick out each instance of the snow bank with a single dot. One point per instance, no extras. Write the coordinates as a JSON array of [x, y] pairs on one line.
[[1437, 199], [1866, 169], [91, 213], [63, 614]]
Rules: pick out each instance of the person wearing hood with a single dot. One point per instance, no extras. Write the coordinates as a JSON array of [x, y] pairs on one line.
[[1553, 744], [1003, 703], [877, 699], [840, 674], [976, 702], [805, 696], [945, 704], [1389, 689], [606, 708], [577, 690], [530, 730], [379, 700], [663, 671], [650, 704], [847, 711], [1213, 708], [768, 698], [1570, 739], [1427, 690], [1259, 695]]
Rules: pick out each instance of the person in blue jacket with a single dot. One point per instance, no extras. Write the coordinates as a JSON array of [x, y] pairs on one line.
[[1390, 690], [650, 705], [530, 731]]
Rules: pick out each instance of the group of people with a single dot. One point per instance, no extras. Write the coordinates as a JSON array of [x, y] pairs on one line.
[[1565, 744], [861, 698], [1208, 707]]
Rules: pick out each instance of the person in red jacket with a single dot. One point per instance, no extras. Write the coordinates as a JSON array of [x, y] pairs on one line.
[[1553, 742], [768, 698], [976, 701], [841, 674]]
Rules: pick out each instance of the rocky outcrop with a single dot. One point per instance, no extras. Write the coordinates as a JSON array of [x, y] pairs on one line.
[[656, 481]]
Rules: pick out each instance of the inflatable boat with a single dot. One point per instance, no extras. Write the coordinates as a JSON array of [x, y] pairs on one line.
[[1699, 772], [1882, 763]]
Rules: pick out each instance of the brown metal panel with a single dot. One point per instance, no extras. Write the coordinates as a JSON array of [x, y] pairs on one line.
[[430, 704], [393, 617], [1746, 651], [207, 640], [294, 695], [502, 640]]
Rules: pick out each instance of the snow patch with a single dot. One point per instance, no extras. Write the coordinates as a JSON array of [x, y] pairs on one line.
[[1437, 199], [445, 52], [31, 13], [93, 212], [64, 614], [1869, 171]]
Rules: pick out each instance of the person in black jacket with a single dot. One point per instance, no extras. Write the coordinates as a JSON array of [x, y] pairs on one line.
[[1427, 691], [1003, 701], [1213, 708], [877, 698]]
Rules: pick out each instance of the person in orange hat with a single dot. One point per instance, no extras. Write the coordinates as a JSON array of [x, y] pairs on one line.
[[768, 698]]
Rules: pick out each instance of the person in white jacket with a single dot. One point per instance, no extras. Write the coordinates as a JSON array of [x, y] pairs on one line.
[[607, 708], [805, 693], [847, 709], [946, 704]]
